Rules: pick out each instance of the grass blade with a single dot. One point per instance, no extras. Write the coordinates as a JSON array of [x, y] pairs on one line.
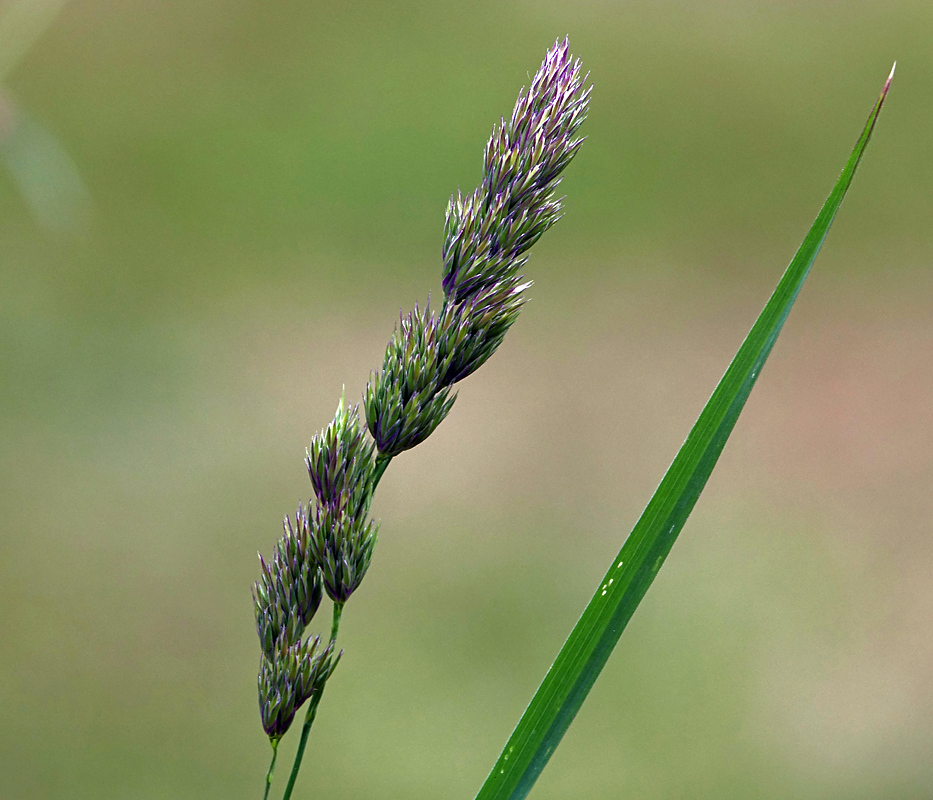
[[589, 645]]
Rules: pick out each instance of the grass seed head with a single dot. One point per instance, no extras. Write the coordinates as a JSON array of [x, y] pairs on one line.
[[487, 236]]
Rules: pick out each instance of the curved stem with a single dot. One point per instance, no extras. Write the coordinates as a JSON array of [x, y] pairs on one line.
[[305, 730], [275, 752], [312, 712], [335, 623], [379, 469]]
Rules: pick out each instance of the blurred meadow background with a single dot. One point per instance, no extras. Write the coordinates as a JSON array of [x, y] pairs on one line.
[[211, 213]]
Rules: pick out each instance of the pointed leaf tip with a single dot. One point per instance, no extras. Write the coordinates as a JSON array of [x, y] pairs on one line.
[[890, 78]]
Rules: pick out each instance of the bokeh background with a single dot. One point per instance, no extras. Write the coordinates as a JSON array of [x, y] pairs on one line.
[[211, 213]]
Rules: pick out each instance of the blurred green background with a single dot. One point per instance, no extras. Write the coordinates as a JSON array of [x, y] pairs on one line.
[[210, 215]]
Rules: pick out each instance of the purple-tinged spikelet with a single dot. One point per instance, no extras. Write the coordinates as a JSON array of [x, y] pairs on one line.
[[290, 677], [407, 400], [469, 333], [488, 231], [340, 462], [342, 546], [288, 592]]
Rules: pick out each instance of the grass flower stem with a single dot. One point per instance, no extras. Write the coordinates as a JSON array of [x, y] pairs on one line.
[[275, 752], [302, 743], [382, 461], [335, 623], [312, 705]]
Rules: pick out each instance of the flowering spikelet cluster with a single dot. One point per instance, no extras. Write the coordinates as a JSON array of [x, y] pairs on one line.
[[487, 235], [289, 677], [285, 599], [406, 402], [488, 231], [288, 593], [341, 535], [327, 549]]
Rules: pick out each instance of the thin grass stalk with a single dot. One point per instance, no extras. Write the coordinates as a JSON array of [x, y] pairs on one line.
[[271, 771], [312, 709], [302, 743]]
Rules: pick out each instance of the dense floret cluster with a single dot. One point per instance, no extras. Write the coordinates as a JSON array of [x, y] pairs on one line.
[[487, 235]]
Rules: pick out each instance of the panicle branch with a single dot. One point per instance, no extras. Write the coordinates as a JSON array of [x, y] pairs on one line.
[[340, 463]]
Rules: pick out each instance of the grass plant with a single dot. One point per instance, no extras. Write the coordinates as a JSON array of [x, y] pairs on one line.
[[328, 547]]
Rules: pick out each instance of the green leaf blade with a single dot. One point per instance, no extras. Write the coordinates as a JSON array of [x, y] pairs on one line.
[[596, 633]]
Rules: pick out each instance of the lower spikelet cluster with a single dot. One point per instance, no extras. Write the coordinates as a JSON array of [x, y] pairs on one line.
[[329, 547], [292, 675]]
